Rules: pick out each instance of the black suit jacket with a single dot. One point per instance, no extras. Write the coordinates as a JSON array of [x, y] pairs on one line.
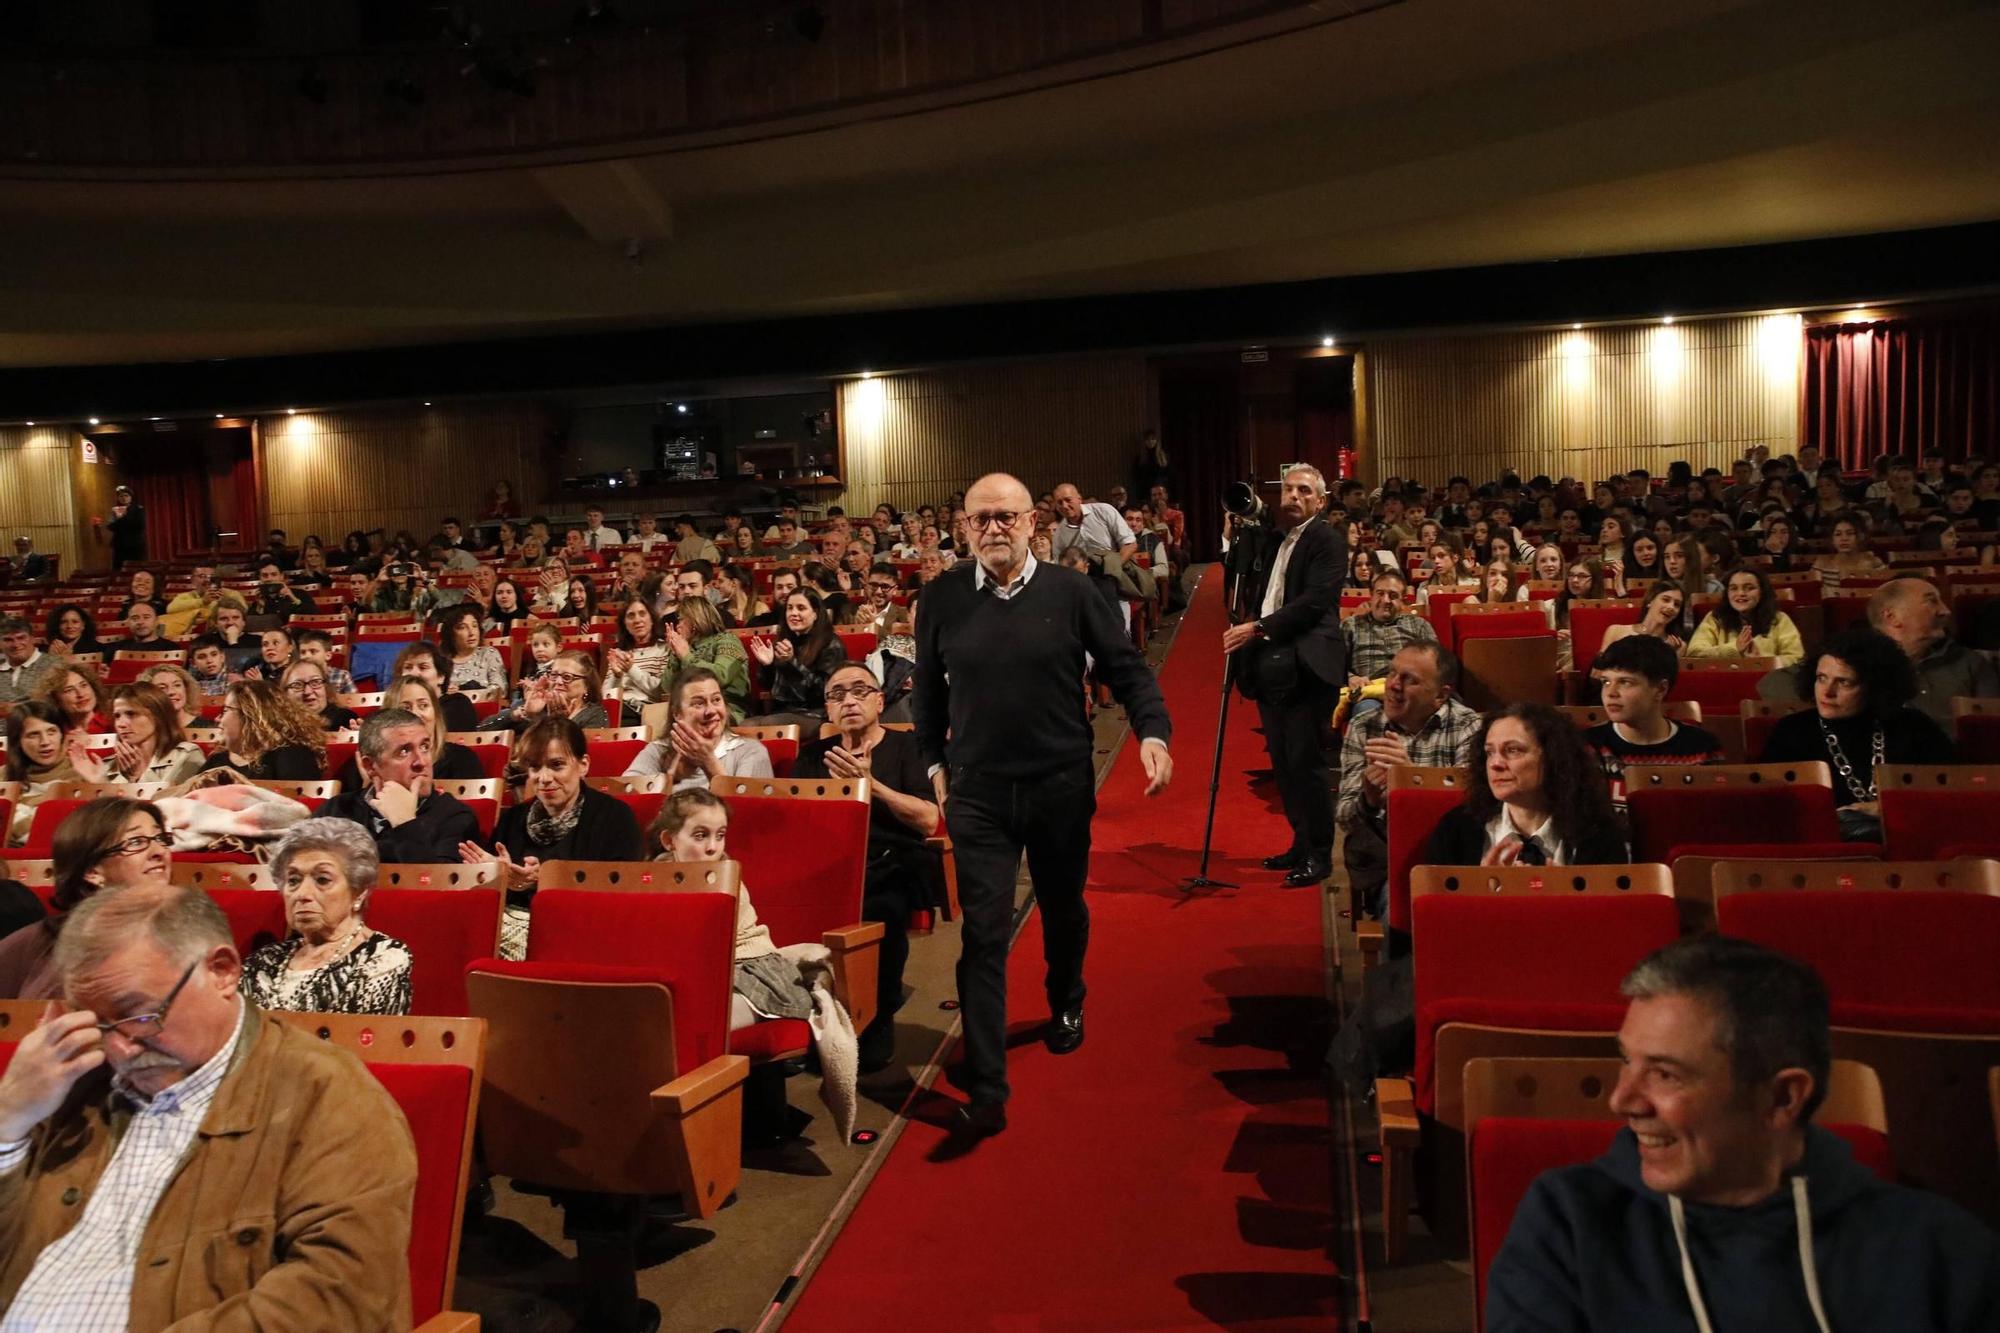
[[1309, 621]]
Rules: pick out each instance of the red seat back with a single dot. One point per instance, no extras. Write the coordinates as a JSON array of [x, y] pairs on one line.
[[49, 816], [445, 929], [1664, 818], [803, 862], [1942, 963], [338, 755], [1718, 692], [256, 917], [1507, 1154], [784, 752], [1472, 949], [432, 1099], [1978, 738], [610, 758], [1587, 625], [1499, 625], [1919, 823], [857, 644], [686, 941], [1413, 817], [492, 759]]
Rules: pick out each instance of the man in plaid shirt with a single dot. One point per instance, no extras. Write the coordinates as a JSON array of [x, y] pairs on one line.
[[1420, 722], [1376, 635]]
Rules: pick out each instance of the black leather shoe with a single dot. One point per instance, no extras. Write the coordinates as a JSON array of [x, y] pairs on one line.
[[1065, 1031], [1284, 860], [1312, 870], [979, 1120]]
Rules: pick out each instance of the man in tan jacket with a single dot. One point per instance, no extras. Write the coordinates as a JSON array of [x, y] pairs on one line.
[[171, 1156]]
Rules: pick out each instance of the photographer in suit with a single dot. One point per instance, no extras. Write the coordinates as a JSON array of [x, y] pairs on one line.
[[1291, 659]]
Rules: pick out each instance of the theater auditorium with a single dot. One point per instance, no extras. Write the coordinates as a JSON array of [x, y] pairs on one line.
[[1022, 666]]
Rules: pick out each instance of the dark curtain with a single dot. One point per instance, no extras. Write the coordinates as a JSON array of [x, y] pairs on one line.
[[176, 504], [1903, 386], [1201, 430]]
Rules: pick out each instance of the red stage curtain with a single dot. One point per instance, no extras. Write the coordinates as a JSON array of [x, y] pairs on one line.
[[176, 504], [1903, 386]]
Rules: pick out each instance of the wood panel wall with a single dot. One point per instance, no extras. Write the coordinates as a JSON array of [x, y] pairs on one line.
[[333, 472], [1583, 403], [36, 493], [913, 439]]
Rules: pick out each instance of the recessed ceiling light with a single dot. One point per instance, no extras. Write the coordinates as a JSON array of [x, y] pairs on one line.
[[1576, 326], [291, 411], [867, 374], [218, 416], [1326, 341], [31, 423], [1666, 319], [427, 402], [95, 422]]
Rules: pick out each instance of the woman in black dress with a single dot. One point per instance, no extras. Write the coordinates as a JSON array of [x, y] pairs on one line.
[[269, 736], [1536, 795], [1860, 683], [561, 819]]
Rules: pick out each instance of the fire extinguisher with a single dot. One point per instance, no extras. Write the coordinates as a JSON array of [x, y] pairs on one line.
[[1345, 463]]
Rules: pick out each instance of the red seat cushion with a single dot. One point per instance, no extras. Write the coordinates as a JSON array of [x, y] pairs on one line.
[[1942, 955], [1667, 817], [770, 1039], [433, 1099]]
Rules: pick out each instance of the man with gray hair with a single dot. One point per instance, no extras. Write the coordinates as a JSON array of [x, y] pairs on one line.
[[168, 1153], [1720, 1204], [1290, 658], [411, 822], [1911, 612], [25, 669]]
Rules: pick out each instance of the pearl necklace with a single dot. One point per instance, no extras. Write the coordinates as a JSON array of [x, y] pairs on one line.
[[340, 947]]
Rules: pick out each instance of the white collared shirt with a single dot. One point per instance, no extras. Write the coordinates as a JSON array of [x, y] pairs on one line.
[[1274, 589], [1008, 591], [1502, 828], [82, 1283]]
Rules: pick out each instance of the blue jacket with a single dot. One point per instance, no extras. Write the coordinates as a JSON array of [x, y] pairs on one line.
[[1592, 1248]]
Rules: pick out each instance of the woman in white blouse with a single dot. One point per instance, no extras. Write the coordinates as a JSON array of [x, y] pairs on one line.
[[151, 745], [474, 666], [640, 666], [699, 745]]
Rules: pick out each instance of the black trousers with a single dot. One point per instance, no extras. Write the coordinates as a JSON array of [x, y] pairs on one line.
[[1293, 723], [899, 882], [992, 822]]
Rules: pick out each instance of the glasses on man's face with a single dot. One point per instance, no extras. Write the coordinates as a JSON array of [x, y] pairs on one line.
[[882, 587], [843, 694], [139, 842], [143, 1027], [306, 685], [1002, 519]]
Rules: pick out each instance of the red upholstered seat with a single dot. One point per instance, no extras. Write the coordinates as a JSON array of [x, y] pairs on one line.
[[1918, 824], [432, 1098], [1718, 692], [614, 757], [772, 1039], [492, 759], [784, 752], [1413, 817], [1500, 625], [1666, 818], [486, 810], [445, 929], [338, 753], [1470, 955], [1587, 625], [1942, 958], [644, 805], [1978, 738], [1507, 1154], [49, 816], [256, 917], [683, 941]]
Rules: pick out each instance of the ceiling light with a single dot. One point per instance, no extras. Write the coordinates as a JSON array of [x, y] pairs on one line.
[[1856, 306], [427, 402], [1576, 326], [681, 408], [218, 416], [1666, 319], [1326, 341], [31, 423], [95, 422], [867, 374], [291, 411]]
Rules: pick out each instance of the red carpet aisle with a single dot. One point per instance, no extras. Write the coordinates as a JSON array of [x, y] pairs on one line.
[[1174, 1173]]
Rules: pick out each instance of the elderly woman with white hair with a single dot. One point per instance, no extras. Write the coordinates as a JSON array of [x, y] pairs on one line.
[[333, 963]]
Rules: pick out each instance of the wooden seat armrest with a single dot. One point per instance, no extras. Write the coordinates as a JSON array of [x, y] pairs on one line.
[[1396, 1112], [1370, 936], [697, 1088], [450, 1321], [854, 936]]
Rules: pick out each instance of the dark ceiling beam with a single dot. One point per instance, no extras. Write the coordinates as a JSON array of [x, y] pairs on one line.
[[1816, 273]]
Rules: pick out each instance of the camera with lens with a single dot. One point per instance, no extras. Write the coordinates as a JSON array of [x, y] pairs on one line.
[[399, 571], [1241, 500]]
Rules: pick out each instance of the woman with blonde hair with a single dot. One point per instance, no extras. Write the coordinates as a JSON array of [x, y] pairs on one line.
[[269, 736], [151, 745], [181, 691]]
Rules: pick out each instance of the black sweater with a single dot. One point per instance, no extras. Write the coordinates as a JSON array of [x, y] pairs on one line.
[[606, 830], [1908, 737], [999, 684]]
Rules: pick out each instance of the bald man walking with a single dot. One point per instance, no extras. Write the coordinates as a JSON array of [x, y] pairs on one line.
[[1004, 725]]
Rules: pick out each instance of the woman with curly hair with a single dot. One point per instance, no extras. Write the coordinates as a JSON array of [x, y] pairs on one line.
[[268, 735], [474, 666], [1860, 683], [70, 630], [1536, 796], [182, 692], [1748, 623], [76, 691]]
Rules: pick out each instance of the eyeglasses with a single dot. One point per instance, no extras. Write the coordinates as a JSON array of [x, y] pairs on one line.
[[1002, 519], [564, 677], [851, 692], [881, 587], [142, 1027], [138, 843], [309, 685]]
